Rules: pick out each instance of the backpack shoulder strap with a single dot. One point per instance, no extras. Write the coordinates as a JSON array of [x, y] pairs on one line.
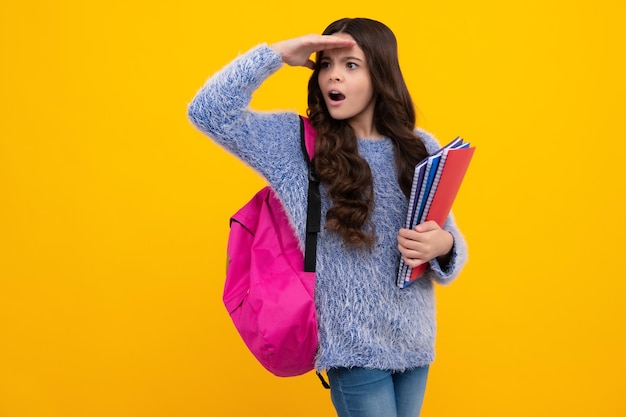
[[309, 137], [314, 203]]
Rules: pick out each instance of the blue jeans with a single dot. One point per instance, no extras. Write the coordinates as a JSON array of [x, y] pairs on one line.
[[359, 392]]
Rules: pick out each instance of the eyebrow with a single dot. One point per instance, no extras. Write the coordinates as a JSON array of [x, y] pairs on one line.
[[345, 58]]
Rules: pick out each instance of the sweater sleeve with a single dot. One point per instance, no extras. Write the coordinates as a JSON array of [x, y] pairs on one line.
[[444, 274], [220, 109]]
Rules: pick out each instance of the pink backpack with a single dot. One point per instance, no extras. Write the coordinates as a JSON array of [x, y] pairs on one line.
[[268, 290]]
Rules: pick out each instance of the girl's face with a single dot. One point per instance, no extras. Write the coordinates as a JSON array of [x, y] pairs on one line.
[[345, 82]]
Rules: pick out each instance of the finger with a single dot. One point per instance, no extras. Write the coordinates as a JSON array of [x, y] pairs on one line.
[[408, 234], [332, 41], [412, 249], [413, 262], [324, 42], [411, 237], [427, 226], [409, 244], [413, 257]]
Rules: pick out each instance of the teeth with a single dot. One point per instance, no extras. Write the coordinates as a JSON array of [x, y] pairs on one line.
[[335, 95]]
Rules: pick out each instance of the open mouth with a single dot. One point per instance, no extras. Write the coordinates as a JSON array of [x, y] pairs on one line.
[[336, 96]]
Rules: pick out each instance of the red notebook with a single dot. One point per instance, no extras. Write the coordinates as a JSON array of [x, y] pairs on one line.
[[452, 169]]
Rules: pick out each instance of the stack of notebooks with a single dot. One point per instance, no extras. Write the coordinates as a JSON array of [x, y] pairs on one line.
[[436, 183]]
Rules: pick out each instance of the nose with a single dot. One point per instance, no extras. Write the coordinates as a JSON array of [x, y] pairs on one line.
[[335, 76]]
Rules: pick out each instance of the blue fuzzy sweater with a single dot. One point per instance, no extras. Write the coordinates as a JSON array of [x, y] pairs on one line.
[[364, 319]]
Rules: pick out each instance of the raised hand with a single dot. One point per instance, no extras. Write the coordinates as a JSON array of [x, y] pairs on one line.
[[297, 51]]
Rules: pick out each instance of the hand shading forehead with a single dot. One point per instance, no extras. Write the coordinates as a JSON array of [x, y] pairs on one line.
[[344, 54]]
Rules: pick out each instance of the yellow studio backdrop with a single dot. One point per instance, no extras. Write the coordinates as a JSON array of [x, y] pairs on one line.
[[114, 210]]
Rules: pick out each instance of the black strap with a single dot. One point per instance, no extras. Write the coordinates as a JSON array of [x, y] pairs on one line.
[[325, 384], [314, 207], [313, 216]]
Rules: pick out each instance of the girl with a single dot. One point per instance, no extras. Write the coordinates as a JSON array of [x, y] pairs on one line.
[[375, 340]]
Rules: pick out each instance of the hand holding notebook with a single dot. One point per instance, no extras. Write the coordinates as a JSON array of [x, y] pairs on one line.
[[436, 183]]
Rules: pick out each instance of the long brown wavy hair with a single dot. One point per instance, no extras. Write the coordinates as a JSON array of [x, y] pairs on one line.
[[345, 174]]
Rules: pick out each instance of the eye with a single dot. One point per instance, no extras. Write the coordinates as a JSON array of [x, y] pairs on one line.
[[352, 65], [324, 64]]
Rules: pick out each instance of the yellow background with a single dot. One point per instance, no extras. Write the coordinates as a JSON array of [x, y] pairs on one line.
[[114, 210]]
